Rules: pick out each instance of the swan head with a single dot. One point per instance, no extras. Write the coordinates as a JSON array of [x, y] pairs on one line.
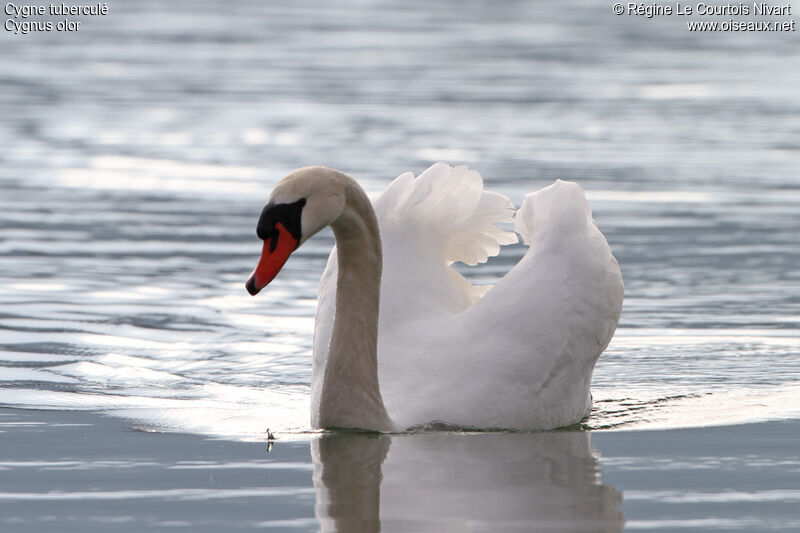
[[301, 204]]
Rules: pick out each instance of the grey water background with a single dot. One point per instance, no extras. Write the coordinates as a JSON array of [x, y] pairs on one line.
[[138, 152]]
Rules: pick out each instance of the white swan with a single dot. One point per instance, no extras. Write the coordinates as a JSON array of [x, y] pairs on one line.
[[519, 355]]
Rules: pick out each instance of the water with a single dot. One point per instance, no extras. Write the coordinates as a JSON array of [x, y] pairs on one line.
[[139, 151], [722, 478]]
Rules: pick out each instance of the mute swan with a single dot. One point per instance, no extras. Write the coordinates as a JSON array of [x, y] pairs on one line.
[[518, 356]]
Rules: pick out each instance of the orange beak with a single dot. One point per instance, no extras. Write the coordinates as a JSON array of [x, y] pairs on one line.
[[273, 257]]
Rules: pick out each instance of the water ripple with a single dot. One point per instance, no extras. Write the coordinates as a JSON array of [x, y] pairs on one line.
[[132, 180]]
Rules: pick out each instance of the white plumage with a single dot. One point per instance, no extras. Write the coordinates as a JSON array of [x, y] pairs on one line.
[[519, 355]]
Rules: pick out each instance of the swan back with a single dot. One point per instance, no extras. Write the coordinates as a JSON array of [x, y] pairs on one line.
[[534, 338], [522, 355], [519, 355]]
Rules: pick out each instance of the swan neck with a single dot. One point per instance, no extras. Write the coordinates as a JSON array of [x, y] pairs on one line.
[[351, 396]]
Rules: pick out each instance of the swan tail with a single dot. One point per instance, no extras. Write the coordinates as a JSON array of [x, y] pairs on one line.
[[450, 208], [561, 207]]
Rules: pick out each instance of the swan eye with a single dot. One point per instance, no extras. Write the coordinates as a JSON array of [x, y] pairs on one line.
[[288, 215]]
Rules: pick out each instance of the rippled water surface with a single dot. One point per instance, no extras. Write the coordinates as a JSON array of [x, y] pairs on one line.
[[138, 152]]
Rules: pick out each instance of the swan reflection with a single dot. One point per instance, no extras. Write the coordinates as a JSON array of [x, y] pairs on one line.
[[461, 482]]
